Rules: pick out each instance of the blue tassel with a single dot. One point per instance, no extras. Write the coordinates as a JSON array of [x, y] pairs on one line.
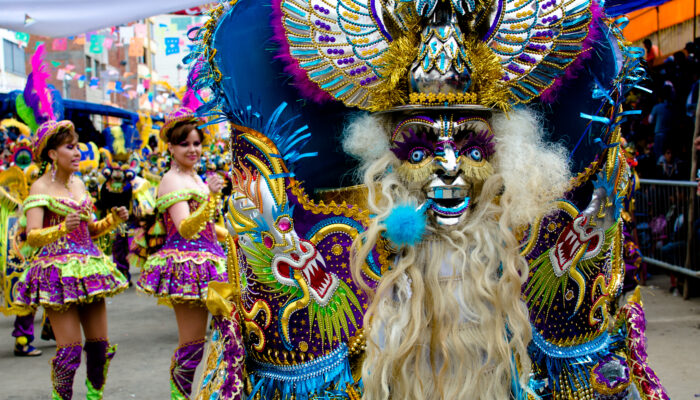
[[325, 377], [574, 360], [405, 225]]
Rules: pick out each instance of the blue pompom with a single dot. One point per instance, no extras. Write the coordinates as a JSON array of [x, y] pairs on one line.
[[405, 225]]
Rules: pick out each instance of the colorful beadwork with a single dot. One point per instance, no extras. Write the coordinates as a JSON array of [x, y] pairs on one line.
[[182, 268], [71, 269]]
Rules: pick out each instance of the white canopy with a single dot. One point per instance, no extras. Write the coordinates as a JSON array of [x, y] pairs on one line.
[[61, 18]]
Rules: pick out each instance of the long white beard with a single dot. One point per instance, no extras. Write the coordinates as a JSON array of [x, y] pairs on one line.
[[439, 328], [447, 320]]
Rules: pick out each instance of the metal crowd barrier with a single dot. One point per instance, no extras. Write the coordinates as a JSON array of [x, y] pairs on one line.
[[668, 227]]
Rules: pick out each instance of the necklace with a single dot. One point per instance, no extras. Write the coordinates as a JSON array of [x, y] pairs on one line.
[[66, 184]]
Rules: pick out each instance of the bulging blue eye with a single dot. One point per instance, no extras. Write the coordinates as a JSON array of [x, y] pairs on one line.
[[475, 154], [417, 155]]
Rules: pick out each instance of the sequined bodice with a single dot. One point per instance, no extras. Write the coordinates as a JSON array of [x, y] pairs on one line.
[[77, 242], [206, 240]]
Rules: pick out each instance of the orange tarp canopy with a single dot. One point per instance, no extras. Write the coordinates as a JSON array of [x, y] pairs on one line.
[[646, 21]]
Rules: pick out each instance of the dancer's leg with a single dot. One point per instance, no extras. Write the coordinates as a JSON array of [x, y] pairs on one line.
[[24, 333], [192, 326], [98, 352], [66, 325]]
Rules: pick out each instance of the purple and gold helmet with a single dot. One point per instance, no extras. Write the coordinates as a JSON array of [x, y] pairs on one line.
[[44, 132]]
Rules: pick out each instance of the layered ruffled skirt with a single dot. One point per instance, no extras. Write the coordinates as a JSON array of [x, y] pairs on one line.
[[58, 282], [181, 276]]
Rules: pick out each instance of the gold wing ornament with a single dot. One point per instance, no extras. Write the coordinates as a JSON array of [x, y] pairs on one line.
[[535, 40], [340, 44], [13, 191]]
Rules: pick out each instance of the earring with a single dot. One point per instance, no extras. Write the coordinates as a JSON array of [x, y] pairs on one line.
[[53, 171]]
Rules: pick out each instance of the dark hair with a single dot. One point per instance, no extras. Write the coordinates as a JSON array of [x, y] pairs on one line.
[[647, 42], [62, 136], [180, 131]]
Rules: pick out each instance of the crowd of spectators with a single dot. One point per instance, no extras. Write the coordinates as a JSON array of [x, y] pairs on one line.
[[663, 141], [663, 136]]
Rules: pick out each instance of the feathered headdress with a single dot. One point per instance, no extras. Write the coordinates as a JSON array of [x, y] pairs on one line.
[[186, 113], [39, 105]]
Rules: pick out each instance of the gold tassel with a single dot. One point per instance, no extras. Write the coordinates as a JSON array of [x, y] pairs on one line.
[[392, 91], [486, 72]]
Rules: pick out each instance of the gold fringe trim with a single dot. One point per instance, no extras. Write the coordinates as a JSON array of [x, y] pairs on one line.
[[486, 72], [398, 59], [410, 173]]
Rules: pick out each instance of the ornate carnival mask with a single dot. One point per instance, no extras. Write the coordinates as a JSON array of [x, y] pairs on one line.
[[447, 157]]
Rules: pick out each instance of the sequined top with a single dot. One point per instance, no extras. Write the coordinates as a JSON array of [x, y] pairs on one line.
[[206, 242], [76, 243]]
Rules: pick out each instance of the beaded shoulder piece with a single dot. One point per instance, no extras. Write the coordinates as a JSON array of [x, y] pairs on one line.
[[59, 205], [167, 200], [577, 267]]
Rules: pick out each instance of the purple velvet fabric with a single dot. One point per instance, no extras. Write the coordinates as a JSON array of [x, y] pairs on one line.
[[183, 365], [649, 383], [24, 326], [120, 252], [234, 355], [63, 367], [97, 355]]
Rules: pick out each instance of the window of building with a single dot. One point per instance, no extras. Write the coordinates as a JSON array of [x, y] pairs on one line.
[[144, 58], [88, 64], [14, 57]]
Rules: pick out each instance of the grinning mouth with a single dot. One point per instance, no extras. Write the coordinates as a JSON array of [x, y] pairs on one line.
[[310, 263], [576, 242], [449, 201], [319, 280]]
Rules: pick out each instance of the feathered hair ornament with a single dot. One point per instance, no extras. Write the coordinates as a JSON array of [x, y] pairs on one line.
[[40, 105], [186, 113], [39, 102]]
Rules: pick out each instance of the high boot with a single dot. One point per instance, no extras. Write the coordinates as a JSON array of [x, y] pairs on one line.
[[98, 354], [182, 368], [63, 367]]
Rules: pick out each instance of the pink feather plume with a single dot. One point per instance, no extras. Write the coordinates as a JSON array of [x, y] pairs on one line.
[[40, 75], [190, 99]]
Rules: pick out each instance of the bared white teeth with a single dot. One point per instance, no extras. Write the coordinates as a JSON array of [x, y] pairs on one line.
[[448, 192]]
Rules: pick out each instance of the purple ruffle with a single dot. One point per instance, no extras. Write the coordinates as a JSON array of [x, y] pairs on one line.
[[181, 280], [45, 286]]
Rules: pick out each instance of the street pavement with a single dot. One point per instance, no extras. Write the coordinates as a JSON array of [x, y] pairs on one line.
[[147, 335]]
